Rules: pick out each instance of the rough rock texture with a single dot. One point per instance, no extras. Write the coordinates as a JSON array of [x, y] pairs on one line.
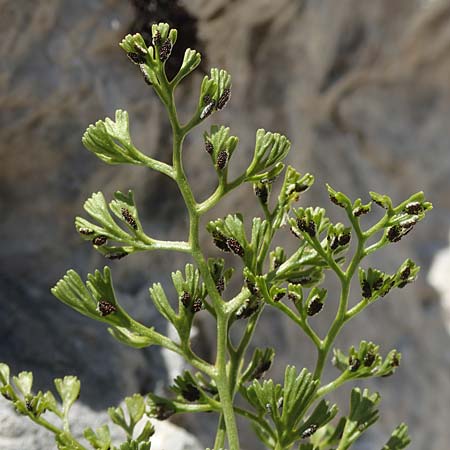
[[16, 433], [361, 89]]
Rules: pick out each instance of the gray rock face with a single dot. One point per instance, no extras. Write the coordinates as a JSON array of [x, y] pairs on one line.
[[361, 89]]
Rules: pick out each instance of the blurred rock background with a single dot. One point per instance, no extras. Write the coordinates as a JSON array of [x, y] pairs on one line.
[[362, 88]]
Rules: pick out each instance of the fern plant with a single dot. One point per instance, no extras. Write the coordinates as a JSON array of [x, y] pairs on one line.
[[295, 413]]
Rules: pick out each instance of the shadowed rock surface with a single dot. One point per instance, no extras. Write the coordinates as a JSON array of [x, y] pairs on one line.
[[360, 88]]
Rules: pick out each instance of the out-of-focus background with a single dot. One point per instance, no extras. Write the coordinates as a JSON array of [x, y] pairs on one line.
[[362, 88]]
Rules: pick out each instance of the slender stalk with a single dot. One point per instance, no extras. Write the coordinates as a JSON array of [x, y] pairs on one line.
[[331, 386], [220, 376], [238, 356], [345, 278], [223, 382], [41, 421], [221, 434], [178, 246]]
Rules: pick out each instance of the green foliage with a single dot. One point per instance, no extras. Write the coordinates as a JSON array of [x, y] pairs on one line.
[[99, 439], [287, 280], [111, 142], [286, 406], [363, 414], [399, 439], [366, 361], [116, 230], [259, 364]]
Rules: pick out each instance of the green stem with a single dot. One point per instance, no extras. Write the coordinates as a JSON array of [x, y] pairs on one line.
[[345, 278], [221, 434], [238, 355], [331, 386], [154, 164], [220, 375], [352, 312], [220, 192], [164, 341], [42, 422], [303, 324], [256, 420], [55, 430], [178, 246], [222, 382]]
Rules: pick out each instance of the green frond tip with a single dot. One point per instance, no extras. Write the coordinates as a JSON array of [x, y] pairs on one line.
[[309, 221], [399, 439], [366, 361], [115, 229], [294, 185], [286, 404], [220, 145], [384, 201], [111, 141], [163, 39], [100, 439], [215, 92], [363, 414], [135, 445], [338, 198], [96, 299], [162, 303], [164, 31], [136, 409], [270, 149], [229, 235], [191, 61], [24, 382], [133, 43], [322, 414], [68, 389], [4, 374]]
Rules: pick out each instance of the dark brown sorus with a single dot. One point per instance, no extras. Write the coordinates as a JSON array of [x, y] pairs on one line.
[[99, 240], [235, 247], [353, 364], [369, 359], [223, 99], [220, 241], [106, 308], [118, 255], [185, 299], [128, 217], [209, 147], [366, 289], [190, 393], [197, 305], [165, 50], [336, 201], [222, 159], [314, 306], [85, 231], [413, 208], [136, 58]]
